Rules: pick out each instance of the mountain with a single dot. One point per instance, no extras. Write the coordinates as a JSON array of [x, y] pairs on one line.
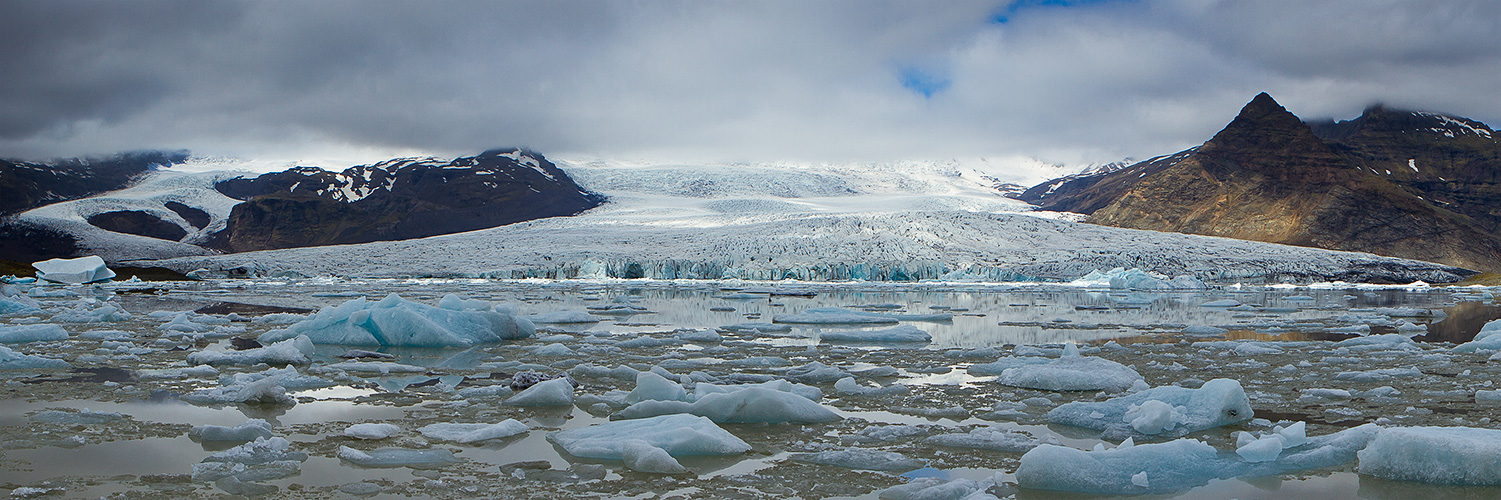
[[164, 213], [1267, 176], [396, 200]]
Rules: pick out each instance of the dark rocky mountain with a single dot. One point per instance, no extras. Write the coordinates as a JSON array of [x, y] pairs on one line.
[[1402, 184], [397, 199], [29, 185]]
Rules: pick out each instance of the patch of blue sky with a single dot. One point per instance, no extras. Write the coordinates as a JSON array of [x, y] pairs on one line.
[[925, 82], [1005, 15]]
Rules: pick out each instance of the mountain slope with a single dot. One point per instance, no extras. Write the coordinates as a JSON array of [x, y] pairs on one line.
[[1268, 177], [394, 200]]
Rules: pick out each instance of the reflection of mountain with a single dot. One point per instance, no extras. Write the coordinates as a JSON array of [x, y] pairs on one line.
[[1462, 323], [1412, 185]]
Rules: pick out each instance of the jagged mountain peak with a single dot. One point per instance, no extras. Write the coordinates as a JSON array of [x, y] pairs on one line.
[[1262, 127]]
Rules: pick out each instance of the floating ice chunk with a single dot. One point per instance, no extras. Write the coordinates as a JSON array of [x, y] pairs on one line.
[[986, 438], [456, 303], [1218, 402], [92, 311], [267, 390], [653, 387], [554, 351], [555, 392], [678, 435], [293, 351], [847, 386], [903, 333], [1072, 372], [932, 488], [394, 321], [31, 333], [1221, 303], [806, 391], [398, 457], [641, 456], [1205, 330], [564, 317], [1442, 455], [73, 271], [1488, 396], [1169, 466], [259, 451], [183, 323], [752, 328], [704, 336], [1265, 449], [11, 360], [251, 430], [372, 431], [816, 373], [473, 433], [1378, 375], [263, 459], [753, 404], [861, 459]]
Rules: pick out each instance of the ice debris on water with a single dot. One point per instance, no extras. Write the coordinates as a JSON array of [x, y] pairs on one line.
[[861, 459], [1137, 279], [12, 360], [91, 311], [88, 269], [1167, 411], [394, 321], [263, 459], [987, 438], [292, 351], [751, 404], [564, 317], [1488, 339], [840, 316], [678, 435], [899, 334], [1073, 372]]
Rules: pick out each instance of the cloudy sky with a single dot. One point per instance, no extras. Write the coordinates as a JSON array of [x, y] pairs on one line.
[[1068, 81]]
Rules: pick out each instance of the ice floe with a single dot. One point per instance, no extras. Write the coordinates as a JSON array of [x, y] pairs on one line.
[[394, 321]]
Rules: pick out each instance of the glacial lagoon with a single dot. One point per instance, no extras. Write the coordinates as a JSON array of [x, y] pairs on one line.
[[120, 421]]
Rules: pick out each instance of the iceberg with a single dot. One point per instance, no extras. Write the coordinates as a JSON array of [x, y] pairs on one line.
[[1488, 339], [18, 304], [1072, 372], [394, 321], [678, 435], [263, 459], [73, 271], [1168, 411], [1441, 455], [986, 438], [31, 333], [1134, 469], [554, 392], [653, 387], [641, 456]]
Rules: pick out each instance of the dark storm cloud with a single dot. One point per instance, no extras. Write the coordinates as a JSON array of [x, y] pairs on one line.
[[829, 80]]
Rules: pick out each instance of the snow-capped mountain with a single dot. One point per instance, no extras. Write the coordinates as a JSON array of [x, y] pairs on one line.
[[1397, 183]]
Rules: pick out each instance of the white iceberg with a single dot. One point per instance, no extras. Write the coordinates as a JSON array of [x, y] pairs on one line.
[[678, 435], [372, 431], [394, 321], [752, 404], [251, 430], [73, 271], [641, 456], [398, 457], [554, 392]]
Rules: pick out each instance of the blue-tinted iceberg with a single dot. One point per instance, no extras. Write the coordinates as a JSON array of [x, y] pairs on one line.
[[1167, 411], [753, 404], [31, 333], [1443, 455], [1073, 372], [903, 333], [394, 321], [12, 360]]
